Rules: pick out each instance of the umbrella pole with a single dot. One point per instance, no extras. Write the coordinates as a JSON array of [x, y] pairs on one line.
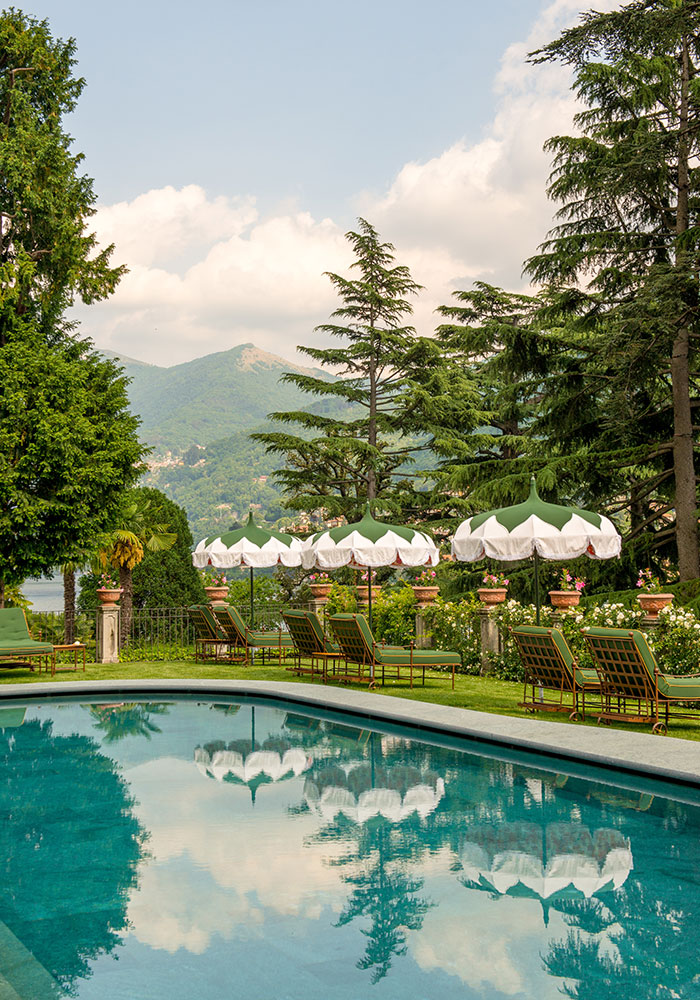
[[369, 597], [537, 584], [252, 606]]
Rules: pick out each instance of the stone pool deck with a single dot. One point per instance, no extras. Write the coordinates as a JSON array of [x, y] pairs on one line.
[[655, 756]]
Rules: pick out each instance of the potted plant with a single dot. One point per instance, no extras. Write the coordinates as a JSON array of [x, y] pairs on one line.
[[363, 588], [215, 586], [109, 591], [320, 584], [425, 588], [652, 597], [569, 593], [494, 589]]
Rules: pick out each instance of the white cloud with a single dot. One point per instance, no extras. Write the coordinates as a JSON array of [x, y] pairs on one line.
[[206, 274]]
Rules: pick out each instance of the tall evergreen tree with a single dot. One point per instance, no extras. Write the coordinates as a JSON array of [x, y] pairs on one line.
[[351, 448], [628, 186]]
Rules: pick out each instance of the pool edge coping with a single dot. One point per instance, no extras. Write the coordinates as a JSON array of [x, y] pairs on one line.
[[656, 756]]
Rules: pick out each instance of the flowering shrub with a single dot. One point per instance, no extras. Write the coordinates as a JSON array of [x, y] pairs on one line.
[[506, 664], [428, 578], [676, 641], [648, 581], [455, 625], [107, 581], [319, 578], [613, 616], [369, 574], [566, 581], [214, 578], [497, 579]]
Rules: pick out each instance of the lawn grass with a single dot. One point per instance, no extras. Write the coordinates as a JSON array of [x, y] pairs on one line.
[[483, 694]]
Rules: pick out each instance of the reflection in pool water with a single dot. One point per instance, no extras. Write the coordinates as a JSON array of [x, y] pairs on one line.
[[246, 851]]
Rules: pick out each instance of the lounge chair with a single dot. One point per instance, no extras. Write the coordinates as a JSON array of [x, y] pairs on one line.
[[359, 647], [210, 640], [549, 665], [633, 688], [310, 643], [248, 640], [17, 648]]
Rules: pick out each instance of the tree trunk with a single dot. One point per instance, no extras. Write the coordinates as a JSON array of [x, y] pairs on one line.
[[683, 454], [69, 605], [126, 604]]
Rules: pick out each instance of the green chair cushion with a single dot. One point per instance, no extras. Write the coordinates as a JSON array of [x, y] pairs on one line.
[[25, 646], [270, 639], [421, 657]]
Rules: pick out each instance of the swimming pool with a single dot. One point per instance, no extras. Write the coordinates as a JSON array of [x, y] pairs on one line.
[[218, 849]]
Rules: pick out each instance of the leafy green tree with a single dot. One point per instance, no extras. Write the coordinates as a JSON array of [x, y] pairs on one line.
[[68, 447], [628, 188], [337, 461], [47, 256], [140, 527], [166, 578]]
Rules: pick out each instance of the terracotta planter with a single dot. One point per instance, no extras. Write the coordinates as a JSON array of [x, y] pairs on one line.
[[109, 598], [564, 598], [363, 593], [320, 591], [217, 595], [492, 595], [651, 604], [424, 595]]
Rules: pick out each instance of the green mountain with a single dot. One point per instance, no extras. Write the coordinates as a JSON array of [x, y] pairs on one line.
[[209, 398]]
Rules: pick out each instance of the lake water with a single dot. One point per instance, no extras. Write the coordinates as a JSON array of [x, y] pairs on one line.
[[45, 594], [178, 849]]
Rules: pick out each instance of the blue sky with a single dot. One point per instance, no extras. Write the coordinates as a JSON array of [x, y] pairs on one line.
[[232, 145]]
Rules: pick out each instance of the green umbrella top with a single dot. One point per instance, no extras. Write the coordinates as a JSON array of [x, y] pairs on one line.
[[369, 542], [250, 545]]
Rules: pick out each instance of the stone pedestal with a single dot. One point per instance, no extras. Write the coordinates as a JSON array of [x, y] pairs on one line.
[[318, 607], [423, 639], [490, 639], [107, 644]]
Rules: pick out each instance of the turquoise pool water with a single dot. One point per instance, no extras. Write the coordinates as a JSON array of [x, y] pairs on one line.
[[197, 849]]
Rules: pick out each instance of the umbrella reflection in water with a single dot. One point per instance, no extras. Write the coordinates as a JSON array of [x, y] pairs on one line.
[[362, 791]]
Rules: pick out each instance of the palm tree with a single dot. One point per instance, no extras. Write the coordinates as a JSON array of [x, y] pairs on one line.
[[139, 528]]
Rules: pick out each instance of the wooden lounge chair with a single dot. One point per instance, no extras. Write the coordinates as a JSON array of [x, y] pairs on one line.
[[310, 643], [359, 648], [17, 648], [210, 640], [248, 640], [633, 688], [549, 665]]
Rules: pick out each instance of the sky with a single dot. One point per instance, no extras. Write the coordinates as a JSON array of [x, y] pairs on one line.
[[232, 145]]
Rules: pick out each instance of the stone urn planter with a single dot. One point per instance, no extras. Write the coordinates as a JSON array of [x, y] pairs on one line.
[[320, 591], [216, 595], [108, 598], [564, 599], [492, 595], [363, 593], [651, 604], [424, 595]]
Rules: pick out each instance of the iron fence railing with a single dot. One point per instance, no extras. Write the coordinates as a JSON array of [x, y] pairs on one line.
[[166, 633]]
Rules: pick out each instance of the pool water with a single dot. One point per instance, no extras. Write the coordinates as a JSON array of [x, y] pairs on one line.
[[197, 849]]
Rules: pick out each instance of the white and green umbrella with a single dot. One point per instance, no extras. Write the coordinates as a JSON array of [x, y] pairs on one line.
[[252, 546], [539, 529], [368, 544]]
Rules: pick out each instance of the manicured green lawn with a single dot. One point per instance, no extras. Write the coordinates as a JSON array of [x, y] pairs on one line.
[[483, 694]]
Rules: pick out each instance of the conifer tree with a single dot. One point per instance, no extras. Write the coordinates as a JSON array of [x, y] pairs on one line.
[[351, 446], [628, 222]]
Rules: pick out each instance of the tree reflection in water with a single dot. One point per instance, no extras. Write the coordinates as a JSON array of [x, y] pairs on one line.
[[70, 845], [116, 722]]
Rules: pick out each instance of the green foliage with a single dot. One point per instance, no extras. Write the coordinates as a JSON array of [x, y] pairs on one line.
[[341, 600], [47, 256], [265, 588], [340, 458], [394, 616], [676, 641], [167, 578], [68, 448], [455, 625]]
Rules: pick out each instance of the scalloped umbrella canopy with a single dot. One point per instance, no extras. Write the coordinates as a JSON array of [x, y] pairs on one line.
[[536, 528], [369, 543], [251, 546]]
